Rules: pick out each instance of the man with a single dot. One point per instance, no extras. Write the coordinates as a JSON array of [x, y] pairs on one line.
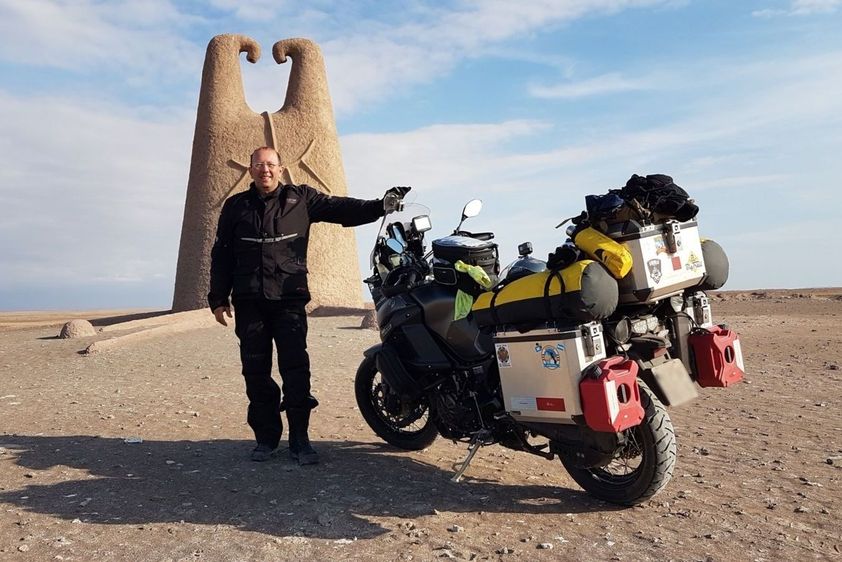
[[259, 259]]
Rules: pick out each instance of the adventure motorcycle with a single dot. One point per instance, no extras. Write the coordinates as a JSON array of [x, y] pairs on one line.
[[591, 393]]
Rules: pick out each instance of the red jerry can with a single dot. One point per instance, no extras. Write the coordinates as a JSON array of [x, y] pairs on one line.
[[719, 358], [611, 398]]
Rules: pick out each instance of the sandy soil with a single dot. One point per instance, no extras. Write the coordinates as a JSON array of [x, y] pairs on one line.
[[758, 474]]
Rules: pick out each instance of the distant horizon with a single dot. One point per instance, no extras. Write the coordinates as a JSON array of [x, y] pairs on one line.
[[365, 302]]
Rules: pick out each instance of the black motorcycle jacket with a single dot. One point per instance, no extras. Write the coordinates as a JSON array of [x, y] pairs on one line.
[[261, 241]]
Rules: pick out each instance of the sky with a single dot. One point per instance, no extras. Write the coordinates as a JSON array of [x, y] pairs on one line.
[[529, 106]]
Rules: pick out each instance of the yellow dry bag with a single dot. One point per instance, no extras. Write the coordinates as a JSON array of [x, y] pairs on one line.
[[613, 255]]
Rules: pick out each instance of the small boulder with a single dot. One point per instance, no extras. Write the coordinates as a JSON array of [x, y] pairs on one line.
[[369, 321], [77, 329]]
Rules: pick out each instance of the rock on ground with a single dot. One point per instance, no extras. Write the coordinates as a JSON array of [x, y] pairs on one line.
[[77, 328]]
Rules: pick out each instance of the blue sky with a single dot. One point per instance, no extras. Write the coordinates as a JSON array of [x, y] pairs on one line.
[[529, 106]]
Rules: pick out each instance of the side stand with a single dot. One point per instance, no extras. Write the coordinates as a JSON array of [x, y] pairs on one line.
[[479, 439]]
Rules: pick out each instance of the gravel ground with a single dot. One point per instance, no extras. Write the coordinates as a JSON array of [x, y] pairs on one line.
[[757, 476]]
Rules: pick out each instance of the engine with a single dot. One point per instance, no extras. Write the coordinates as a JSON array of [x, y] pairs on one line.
[[461, 401]]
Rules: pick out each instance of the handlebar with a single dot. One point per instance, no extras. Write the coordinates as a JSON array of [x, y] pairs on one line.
[[401, 280]]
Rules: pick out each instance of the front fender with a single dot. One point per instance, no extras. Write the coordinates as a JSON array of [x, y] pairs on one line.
[[373, 350], [390, 366]]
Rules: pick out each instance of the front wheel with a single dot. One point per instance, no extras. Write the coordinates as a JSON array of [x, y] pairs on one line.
[[641, 468], [406, 425]]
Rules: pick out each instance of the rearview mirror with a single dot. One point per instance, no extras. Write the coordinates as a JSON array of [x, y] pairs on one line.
[[472, 208]]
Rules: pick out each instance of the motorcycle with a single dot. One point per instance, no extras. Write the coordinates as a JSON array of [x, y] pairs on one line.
[[438, 371]]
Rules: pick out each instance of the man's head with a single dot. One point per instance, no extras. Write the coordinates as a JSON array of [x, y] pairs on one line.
[[265, 168]]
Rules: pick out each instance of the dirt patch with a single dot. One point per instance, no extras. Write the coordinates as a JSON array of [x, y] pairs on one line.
[[757, 476]]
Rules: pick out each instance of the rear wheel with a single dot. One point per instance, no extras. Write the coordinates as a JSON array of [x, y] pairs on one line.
[[642, 467], [401, 423]]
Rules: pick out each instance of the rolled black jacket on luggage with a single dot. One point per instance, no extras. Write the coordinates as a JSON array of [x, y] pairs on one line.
[[261, 241]]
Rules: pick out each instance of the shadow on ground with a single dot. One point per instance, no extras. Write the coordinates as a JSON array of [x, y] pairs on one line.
[[110, 320], [107, 481]]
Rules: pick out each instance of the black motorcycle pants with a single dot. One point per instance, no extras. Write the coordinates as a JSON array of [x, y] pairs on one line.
[[258, 323]]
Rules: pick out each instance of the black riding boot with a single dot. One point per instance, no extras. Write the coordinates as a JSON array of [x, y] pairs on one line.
[[299, 443]]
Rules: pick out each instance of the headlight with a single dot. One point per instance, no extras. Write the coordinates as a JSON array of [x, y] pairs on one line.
[[621, 331], [422, 223], [677, 303], [645, 324], [638, 327]]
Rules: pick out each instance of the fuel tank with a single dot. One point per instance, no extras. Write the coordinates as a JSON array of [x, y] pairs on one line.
[[423, 319], [463, 337]]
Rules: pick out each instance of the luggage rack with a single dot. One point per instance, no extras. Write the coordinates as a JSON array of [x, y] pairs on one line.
[[524, 327], [591, 332]]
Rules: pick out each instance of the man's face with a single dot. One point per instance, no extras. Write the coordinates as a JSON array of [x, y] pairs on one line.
[[265, 170]]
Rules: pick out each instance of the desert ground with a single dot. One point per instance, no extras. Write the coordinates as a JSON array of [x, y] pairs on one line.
[[140, 452]]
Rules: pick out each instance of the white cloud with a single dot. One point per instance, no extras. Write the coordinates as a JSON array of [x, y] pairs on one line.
[[756, 255], [128, 38], [378, 60], [750, 182], [805, 7], [254, 10], [485, 21], [109, 183], [265, 83], [440, 158], [791, 99], [90, 193], [95, 190], [368, 59], [599, 85], [739, 150], [114, 172], [801, 8]]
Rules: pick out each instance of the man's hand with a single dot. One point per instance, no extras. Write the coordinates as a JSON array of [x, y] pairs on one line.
[[393, 197], [220, 311]]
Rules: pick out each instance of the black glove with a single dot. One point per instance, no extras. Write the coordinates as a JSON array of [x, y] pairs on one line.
[[399, 190], [393, 197]]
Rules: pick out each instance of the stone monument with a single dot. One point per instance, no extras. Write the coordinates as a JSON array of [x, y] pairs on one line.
[[303, 131]]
